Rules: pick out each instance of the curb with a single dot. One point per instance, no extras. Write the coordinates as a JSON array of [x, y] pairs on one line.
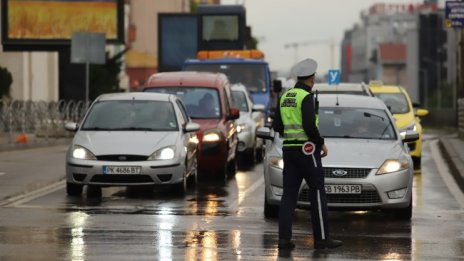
[[33, 145], [455, 163]]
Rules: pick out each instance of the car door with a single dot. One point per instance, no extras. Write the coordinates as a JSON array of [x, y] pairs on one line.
[[230, 124]]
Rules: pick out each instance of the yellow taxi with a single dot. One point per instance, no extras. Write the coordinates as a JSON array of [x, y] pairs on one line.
[[407, 117]]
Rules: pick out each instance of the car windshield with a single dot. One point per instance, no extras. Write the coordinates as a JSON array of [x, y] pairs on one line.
[[250, 75], [200, 103], [240, 100], [131, 115], [396, 102], [356, 123]]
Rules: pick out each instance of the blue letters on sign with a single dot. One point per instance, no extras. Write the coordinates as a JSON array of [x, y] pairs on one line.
[[334, 77]]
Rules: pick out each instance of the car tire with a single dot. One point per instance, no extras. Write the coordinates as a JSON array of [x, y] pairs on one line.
[[73, 189], [259, 154], [417, 162], [180, 188], [404, 213], [231, 167], [270, 211], [193, 179]]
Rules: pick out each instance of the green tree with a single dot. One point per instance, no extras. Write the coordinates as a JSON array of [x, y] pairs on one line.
[[6, 79], [104, 78]]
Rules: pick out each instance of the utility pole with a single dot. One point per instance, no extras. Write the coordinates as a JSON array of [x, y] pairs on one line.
[[330, 43]]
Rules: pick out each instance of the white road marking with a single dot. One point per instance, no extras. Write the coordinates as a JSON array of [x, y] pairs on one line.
[[2, 173], [17, 200], [234, 205], [444, 172]]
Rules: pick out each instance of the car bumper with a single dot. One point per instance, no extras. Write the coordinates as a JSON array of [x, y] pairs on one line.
[[246, 140], [385, 191], [90, 172]]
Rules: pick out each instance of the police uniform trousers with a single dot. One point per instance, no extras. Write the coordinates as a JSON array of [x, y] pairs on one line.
[[298, 166]]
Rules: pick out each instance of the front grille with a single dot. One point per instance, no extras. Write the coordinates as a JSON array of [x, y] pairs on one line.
[[122, 157], [120, 178], [369, 196], [351, 173]]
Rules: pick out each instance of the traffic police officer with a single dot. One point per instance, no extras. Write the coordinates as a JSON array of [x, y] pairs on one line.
[[296, 120]]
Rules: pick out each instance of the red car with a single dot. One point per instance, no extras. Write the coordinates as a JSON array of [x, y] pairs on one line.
[[208, 101]]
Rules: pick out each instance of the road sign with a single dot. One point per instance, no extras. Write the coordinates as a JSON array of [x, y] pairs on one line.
[[334, 77], [454, 14]]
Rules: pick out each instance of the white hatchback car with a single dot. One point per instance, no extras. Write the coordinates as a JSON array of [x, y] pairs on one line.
[[251, 118], [132, 139], [368, 165]]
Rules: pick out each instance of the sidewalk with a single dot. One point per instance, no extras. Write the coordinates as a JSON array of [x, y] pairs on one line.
[[452, 148], [8, 143]]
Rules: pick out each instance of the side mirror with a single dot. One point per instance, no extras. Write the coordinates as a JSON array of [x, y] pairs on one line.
[[191, 127], [258, 107], [71, 126], [277, 86], [422, 112], [264, 133], [234, 114], [409, 136]]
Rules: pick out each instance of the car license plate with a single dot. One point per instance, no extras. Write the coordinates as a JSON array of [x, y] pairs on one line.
[[121, 169], [343, 189]]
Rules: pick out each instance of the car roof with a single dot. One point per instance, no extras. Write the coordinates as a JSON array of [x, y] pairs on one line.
[[386, 89], [135, 96], [238, 87], [186, 78], [350, 101], [352, 88]]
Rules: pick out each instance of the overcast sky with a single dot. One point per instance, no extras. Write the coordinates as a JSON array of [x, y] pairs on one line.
[[279, 22]]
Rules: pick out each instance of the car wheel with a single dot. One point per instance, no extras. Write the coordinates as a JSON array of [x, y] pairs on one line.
[[73, 189], [181, 187], [404, 213], [417, 162], [231, 167], [270, 211], [193, 179], [259, 154]]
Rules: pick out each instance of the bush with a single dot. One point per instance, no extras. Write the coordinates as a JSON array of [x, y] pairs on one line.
[[6, 79]]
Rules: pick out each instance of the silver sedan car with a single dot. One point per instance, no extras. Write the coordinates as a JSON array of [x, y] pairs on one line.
[[132, 139], [368, 165], [250, 148]]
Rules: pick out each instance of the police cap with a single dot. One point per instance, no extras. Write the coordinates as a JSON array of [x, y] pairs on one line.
[[305, 68]]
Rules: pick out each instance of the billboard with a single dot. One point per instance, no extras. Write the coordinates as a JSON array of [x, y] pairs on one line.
[[177, 40], [48, 24]]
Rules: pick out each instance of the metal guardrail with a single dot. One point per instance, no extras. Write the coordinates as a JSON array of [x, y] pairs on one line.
[[39, 118], [461, 117]]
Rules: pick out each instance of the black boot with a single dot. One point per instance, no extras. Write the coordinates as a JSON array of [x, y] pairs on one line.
[[286, 244], [327, 243]]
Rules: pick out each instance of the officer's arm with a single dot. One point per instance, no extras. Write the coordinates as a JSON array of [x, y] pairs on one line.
[[277, 123], [309, 120]]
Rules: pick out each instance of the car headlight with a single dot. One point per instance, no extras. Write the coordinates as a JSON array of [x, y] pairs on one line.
[[277, 162], [211, 136], [242, 127], [79, 152], [163, 154], [390, 166], [410, 127]]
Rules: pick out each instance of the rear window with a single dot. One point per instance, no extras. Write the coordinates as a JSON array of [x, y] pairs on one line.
[[396, 102], [200, 103]]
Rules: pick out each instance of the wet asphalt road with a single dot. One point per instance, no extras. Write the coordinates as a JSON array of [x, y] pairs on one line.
[[224, 222]]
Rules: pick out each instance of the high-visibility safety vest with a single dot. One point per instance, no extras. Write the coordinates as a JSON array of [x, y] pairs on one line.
[[290, 111]]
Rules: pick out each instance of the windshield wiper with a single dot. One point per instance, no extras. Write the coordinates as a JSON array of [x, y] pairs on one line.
[[95, 129], [132, 129], [367, 114]]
